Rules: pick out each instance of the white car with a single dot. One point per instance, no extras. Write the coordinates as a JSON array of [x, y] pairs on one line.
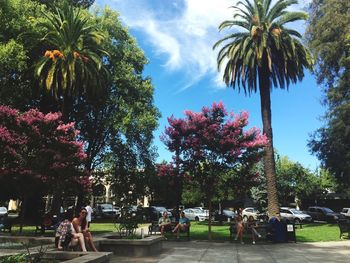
[[345, 211], [196, 214], [250, 211], [3, 211], [294, 215], [202, 209]]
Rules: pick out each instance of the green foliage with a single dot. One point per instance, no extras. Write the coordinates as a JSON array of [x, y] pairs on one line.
[[328, 34], [117, 117], [327, 29], [18, 51], [294, 183], [293, 180], [20, 258]]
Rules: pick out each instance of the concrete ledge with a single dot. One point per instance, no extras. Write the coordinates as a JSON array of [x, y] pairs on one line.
[[131, 247], [83, 257]]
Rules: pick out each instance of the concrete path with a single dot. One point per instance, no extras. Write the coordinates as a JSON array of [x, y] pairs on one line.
[[203, 251]]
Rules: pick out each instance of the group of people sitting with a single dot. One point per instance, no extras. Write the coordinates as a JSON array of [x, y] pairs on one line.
[[165, 225], [74, 231], [251, 224]]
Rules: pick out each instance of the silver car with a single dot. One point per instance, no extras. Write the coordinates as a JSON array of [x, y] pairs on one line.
[[295, 215], [3, 211], [195, 214]]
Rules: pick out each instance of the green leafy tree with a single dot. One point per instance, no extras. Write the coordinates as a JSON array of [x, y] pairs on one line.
[[265, 53], [327, 33], [17, 51]]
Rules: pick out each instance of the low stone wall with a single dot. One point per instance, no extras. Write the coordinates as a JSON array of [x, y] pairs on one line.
[[148, 246], [36, 243]]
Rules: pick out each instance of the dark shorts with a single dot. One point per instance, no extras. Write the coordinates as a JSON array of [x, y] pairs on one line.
[[167, 228]]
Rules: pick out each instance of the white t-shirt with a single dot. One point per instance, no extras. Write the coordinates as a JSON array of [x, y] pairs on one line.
[[89, 213]]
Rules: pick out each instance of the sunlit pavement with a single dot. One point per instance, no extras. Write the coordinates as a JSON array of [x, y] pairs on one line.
[[204, 251]]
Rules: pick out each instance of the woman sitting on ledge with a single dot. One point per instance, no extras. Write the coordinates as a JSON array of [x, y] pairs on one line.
[[80, 226], [65, 236]]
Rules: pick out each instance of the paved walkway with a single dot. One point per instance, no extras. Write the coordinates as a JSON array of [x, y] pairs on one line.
[[203, 251]]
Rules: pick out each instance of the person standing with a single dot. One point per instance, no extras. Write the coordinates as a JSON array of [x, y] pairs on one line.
[[89, 215]]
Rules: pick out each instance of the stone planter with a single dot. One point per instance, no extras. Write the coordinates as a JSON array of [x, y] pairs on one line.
[[148, 246]]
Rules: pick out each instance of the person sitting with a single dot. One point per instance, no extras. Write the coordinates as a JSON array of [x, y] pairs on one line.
[[164, 224], [80, 226], [239, 228], [65, 236], [183, 225], [251, 224], [277, 232]]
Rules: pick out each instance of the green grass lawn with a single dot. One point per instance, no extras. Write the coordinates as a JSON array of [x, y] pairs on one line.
[[199, 231], [309, 233]]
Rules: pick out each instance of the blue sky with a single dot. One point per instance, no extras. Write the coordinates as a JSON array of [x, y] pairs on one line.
[[177, 37]]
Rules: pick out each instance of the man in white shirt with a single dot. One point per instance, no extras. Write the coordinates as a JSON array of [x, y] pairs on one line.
[[89, 213]]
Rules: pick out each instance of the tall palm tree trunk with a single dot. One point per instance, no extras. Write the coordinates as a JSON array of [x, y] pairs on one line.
[[269, 158]]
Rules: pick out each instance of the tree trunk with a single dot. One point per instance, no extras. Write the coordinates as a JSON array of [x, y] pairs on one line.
[[269, 158], [23, 212], [209, 221]]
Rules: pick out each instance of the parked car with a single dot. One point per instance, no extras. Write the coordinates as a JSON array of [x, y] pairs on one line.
[[323, 214], [251, 211], [3, 211], [155, 212], [345, 212], [105, 211], [204, 210], [226, 213], [295, 215], [196, 214]]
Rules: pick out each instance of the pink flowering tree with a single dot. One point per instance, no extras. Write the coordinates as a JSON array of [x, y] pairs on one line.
[[40, 154], [210, 143], [167, 185]]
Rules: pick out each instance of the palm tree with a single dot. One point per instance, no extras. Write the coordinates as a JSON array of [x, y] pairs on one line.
[[263, 54], [73, 65]]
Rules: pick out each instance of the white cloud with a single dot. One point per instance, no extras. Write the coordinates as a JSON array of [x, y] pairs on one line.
[[185, 36]]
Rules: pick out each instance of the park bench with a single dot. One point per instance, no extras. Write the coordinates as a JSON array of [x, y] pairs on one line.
[[47, 223], [154, 229], [344, 228], [262, 230], [6, 224]]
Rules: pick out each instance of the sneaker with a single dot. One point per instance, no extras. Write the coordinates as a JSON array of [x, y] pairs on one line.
[[236, 238], [253, 242], [242, 242], [165, 238], [259, 236]]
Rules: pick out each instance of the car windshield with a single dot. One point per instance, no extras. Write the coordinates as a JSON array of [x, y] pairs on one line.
[[161, 209], [107, 206], [295, 211], [228, 212], [3, 209], [197, 211], [327, 210]]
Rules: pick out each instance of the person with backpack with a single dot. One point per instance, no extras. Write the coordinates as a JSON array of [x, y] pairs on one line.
[[65, 236]]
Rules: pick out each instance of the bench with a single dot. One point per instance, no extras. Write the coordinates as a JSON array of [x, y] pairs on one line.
[[6, 224], [154, 229], [47, 223], [260, 228], [344, 228]]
